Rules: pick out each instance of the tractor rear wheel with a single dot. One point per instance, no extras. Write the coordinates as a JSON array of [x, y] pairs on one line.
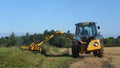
[[75, 51]]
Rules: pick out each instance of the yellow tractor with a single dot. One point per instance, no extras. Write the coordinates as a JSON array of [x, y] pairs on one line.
[[87, 40]]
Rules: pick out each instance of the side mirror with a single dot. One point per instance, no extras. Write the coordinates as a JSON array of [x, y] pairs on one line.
[[98, 27]]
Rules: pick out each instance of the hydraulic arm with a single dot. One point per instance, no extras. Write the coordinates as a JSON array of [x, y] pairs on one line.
[[38, 47]]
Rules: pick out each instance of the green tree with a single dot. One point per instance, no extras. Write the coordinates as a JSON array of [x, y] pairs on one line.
[[46, 32], [68, 32], [13, 39], [118, 40], [25, 39], [60, 41], [4, 42]]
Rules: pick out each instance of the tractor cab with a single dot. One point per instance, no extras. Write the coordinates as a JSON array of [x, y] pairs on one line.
[[85, 31]]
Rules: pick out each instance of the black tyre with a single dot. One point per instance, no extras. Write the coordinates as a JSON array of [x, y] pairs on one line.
[[95, 53], [75, 51], [99, 53]]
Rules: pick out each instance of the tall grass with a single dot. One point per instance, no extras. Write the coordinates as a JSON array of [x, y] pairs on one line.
[[13, 57], [16, 58]]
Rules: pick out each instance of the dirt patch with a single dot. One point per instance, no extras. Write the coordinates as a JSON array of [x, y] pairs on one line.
[[110, 60], [67, 63]]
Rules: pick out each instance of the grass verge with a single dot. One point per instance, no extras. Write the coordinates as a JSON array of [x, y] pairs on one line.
[[13, 57]]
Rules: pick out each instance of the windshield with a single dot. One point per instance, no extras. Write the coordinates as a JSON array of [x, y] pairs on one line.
[[86, 30]]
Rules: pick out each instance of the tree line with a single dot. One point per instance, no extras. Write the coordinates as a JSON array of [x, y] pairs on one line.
[[27, 39], [58, 41], [111, 41]]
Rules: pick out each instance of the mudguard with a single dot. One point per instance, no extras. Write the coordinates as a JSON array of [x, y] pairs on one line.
[[94, 45]]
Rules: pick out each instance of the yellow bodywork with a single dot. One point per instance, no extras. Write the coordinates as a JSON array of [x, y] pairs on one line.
[[92, 46]]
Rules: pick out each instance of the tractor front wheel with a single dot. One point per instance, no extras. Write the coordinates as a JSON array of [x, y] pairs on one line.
[[75, 51], [99, 53]]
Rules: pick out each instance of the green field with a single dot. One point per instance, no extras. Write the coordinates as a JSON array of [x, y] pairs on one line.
[[13, 57]]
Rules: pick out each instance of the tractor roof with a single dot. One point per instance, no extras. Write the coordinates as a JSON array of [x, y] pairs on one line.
[[85, 23]]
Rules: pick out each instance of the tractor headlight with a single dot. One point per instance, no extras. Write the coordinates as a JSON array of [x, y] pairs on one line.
[[95, 44]]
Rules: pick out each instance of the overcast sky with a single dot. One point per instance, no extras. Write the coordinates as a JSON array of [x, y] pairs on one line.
[[21, 16]]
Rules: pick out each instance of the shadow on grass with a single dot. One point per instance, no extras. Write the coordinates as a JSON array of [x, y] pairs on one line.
[[60, 55], [52, 55], [57, 55]]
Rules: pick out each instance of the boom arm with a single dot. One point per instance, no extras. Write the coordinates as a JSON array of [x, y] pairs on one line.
[[37, 47], [50, 37]]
